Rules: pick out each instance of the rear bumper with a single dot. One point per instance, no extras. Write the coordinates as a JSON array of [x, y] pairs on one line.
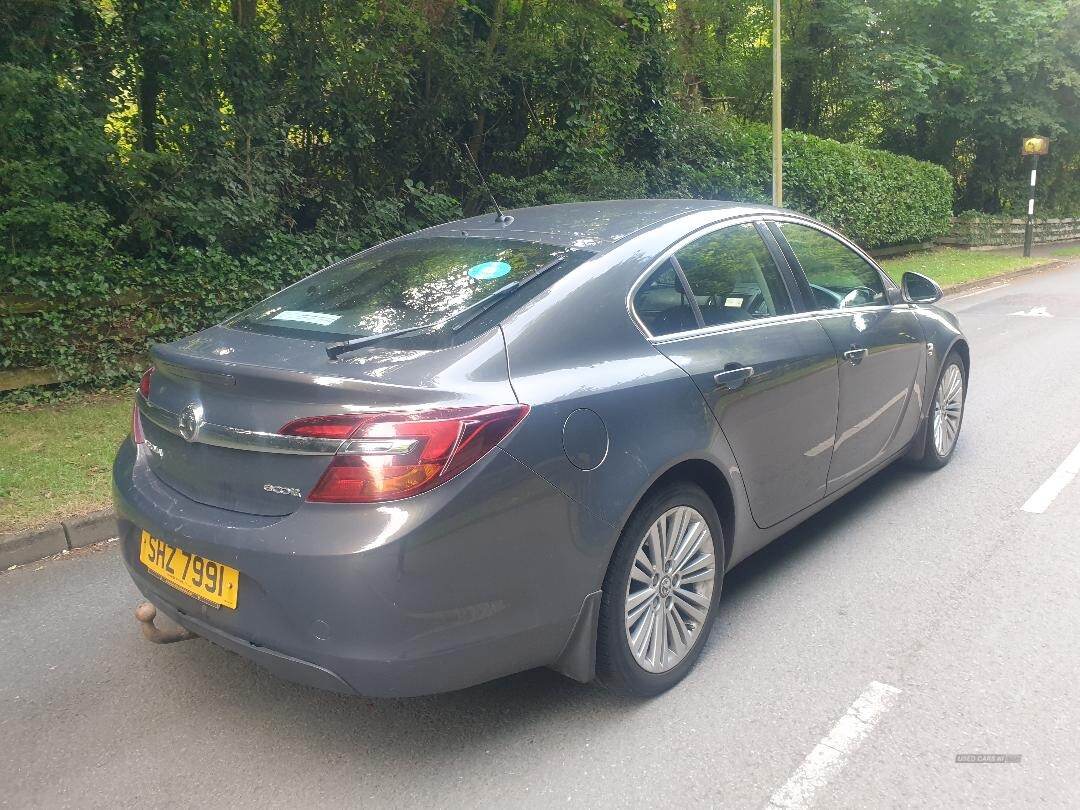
[[479, 578], [281, 665]]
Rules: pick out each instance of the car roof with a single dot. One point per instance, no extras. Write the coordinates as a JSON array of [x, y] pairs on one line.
[[589, 225]]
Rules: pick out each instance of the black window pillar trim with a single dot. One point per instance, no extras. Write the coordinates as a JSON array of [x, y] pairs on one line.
[[893, 294], [809, 302], [788, 273], [688, 291]]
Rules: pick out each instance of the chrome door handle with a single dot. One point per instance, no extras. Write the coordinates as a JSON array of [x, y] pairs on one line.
[[733, 376], [856, 354]]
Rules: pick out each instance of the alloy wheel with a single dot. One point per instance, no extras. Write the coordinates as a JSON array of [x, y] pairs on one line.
[[948, 408], [669, 591]]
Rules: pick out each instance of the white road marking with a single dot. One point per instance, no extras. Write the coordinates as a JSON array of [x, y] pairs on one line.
[[1034, 312], [830, 755], [977, 292], [1052, 486]]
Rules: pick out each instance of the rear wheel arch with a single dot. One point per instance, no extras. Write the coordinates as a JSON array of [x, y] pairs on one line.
[[690, 489], [578, 658], [712, 480]]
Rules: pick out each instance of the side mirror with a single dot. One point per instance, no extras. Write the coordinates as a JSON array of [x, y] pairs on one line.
[[918, 289]]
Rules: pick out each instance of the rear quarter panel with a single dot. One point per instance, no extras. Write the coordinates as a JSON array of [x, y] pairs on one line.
[[576, 346]]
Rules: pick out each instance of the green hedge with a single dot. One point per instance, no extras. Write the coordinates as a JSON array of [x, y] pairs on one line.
[[97, 304], [874, 197], [94, 329]]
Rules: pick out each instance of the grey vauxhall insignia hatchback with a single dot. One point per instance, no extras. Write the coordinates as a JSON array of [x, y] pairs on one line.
[[535, 439]]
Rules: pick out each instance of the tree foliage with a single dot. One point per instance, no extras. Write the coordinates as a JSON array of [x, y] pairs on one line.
[[205, 152]]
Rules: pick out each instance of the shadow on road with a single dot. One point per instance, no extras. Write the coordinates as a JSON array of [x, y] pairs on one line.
[[820, 529]]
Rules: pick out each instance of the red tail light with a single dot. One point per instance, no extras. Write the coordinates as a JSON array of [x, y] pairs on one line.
[[395, 455], [144, 382], [324, 427], [144, 389]]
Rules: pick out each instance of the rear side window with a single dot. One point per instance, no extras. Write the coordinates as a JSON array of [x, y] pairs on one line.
[[733, 276], [663, 305], [839, 277], [408, 283]]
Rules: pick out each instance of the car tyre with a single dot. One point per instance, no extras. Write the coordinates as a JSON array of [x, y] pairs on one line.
[[946, 414], [684, 596]]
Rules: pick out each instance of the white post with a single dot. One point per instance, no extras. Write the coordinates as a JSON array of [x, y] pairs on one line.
[[1028, 230]]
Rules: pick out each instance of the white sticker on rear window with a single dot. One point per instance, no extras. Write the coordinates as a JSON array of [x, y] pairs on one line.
[[320, 318], [733, 301]]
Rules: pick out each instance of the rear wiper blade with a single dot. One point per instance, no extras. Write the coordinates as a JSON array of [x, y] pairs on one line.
[[484, 304], [335, 350], [473, 311]]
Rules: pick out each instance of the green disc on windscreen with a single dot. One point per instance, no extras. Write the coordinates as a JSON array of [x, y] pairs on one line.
[[488, 270]]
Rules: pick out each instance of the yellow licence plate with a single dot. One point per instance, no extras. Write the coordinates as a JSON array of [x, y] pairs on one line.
[[196, 576]]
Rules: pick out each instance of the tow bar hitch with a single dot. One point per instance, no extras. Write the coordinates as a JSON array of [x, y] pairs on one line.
[[146, 613]]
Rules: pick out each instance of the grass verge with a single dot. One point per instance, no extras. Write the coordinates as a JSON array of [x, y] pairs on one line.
[[55, 460], [950, 267]]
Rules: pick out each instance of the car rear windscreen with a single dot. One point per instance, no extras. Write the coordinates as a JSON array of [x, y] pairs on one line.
[[402, 284]]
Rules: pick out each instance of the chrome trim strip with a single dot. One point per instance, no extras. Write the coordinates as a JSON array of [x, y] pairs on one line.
[[836, 313], [166, 420], [238, 438], [794, 317], [738, 326]]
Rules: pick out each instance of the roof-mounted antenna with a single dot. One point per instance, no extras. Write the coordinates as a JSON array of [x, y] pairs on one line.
[[504, 219]]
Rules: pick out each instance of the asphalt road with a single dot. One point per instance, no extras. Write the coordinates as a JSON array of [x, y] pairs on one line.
[[937, 585]]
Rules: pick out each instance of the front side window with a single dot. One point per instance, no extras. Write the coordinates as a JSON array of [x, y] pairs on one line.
[[839, 277], [407, 283], [733, 277]]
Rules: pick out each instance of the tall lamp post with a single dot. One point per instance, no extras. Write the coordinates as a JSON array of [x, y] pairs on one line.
[[777, 139]]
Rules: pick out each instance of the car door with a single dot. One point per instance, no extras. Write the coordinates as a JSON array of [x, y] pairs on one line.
[[722, 307], [879, 345]]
